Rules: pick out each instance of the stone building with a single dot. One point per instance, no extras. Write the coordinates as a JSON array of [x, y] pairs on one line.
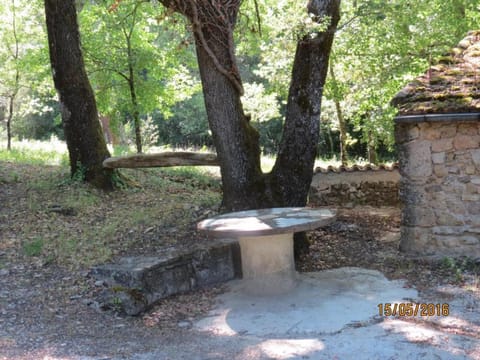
[[437, 131]]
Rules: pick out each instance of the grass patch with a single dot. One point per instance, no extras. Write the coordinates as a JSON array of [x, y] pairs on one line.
[[34, 247], [53, 152], [458, 267], [77, 226]]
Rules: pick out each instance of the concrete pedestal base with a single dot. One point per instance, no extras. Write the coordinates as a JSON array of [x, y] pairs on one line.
[[268, 263]]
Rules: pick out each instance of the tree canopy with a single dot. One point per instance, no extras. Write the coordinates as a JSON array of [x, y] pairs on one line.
[[380, 45]]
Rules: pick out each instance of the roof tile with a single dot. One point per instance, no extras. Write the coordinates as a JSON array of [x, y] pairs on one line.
[[452, 85]]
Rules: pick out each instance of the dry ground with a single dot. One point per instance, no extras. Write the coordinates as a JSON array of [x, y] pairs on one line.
[[52, 230]]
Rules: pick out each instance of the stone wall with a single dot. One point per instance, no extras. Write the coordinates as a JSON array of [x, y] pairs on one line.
[[133, 284], [439, 159], [369, 185]]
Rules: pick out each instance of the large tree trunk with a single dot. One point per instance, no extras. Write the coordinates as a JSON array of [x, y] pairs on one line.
[[293, 170], [83, 133], [291, 176], [236, 141]]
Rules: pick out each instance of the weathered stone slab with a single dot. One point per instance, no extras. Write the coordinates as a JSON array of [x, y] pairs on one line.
[[418, 216], [415, 240], [476, 157], [135, 283], [417, 163]]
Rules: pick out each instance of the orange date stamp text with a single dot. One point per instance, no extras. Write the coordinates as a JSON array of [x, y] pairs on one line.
[[413, 309]]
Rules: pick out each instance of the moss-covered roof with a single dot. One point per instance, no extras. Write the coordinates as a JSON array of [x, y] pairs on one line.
[[450, 86]]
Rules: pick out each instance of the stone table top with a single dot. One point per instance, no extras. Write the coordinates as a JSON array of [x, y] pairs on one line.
[[267, 221]]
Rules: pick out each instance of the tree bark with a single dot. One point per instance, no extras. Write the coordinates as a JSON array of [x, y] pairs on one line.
[[236, 141], [293, 170], [86, 145], [9, 120], [341, 120], [16, 83], [291, 176], [371, 151], [131, 84]]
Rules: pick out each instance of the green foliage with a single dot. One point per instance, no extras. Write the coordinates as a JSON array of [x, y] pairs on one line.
[[461, 264], [187, 126], [23, 74], [260, 105], [380, 46], [38, 118], [34, 247], [459, 267], [133, 60]]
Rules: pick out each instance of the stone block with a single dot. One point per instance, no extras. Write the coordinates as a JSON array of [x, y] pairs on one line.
[[470, 170], [418, 216], [411, 133], [215, 265], [448, 131], [434, 188], [415, 240], [471, 197], [454, 204], [470, 240], [448, 245], [473, 208], [447, 218], [136, 283], [406, 132], [451, 157], [442, 145], [476, 157], [411, 194], [471, 188], [449, 230], [438, 158], [462, 142], [453, 170], [417, 163], [440, 170], [467, 129], [429, 131]]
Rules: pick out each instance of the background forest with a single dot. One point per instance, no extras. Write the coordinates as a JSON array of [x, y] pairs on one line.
[[141, 62]]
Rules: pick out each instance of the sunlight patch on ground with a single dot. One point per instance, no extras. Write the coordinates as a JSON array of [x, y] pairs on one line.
[[416, 333], [289, 348]]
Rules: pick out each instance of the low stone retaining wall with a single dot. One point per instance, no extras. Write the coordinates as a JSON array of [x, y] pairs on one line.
[[357, 185], [133, 284]]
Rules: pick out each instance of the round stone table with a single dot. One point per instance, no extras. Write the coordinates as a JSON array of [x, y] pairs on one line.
[[266, 242]]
